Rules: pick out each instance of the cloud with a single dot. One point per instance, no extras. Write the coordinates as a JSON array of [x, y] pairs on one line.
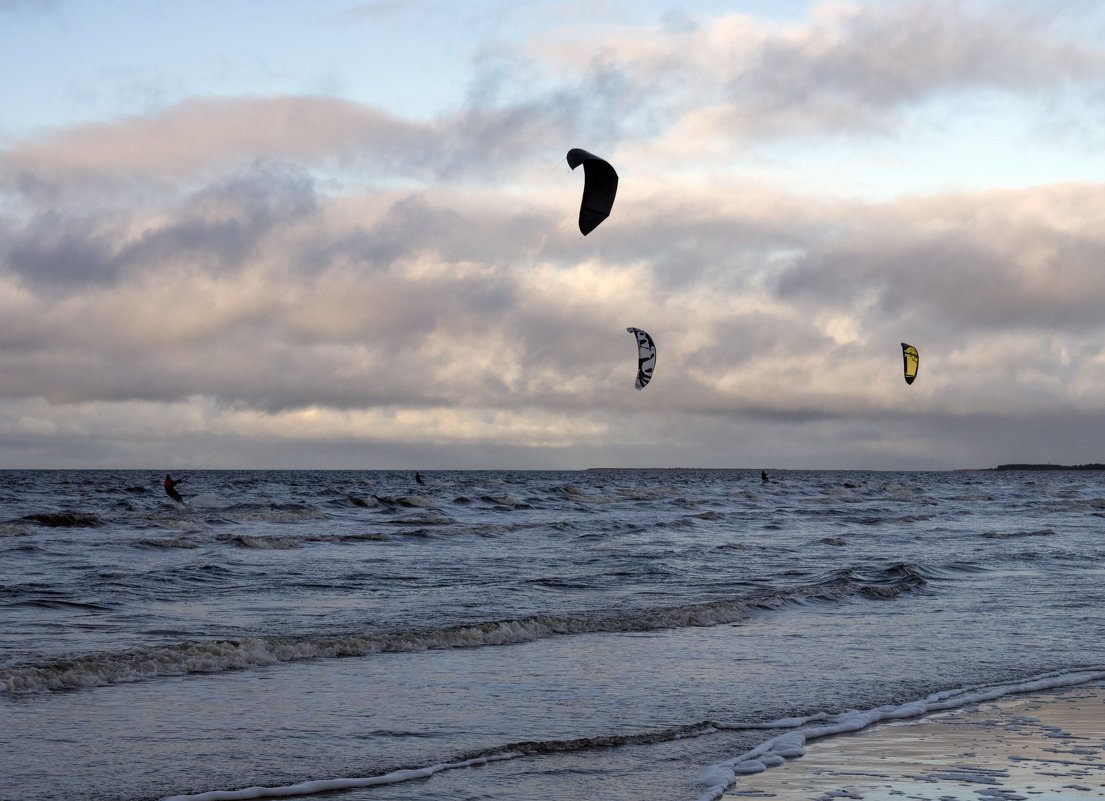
[[970, 263], [316, 270], [850, 69]]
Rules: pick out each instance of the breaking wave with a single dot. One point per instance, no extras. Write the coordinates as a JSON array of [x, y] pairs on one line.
[[790, 743], [214, 656], [1006, 535]]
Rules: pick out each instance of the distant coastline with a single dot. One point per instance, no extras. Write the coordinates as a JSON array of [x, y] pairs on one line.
[[1094, 466], [1000, 467]]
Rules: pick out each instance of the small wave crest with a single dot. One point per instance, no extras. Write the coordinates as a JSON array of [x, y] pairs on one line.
[[406, 501], [277, 515], [1006, 535], [64, 519], [265, 543], [171, 542], [874, 583], [224, 655], [508, 501], [330, 785], [717, 779]]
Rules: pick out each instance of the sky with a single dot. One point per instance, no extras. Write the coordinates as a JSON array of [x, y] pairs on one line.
[[329, 234]]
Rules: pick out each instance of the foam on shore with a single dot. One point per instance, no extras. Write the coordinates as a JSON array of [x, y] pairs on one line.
[[776, 751], [1048, 745]]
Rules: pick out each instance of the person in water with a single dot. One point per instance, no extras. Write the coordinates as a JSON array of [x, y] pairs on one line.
[[418, 478], [170, 488], [763, 476]]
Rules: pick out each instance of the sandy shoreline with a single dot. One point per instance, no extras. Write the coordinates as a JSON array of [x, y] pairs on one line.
[[1043, 745]]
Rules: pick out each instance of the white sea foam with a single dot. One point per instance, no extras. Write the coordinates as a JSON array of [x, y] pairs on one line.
[[419, 501], [329, 785], [720, 777], [277, 516], [205, 500]]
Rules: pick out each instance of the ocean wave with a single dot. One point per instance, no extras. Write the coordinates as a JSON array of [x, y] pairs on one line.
[[185, 526], [406, 501], [171, 542], [706, 516], [506, 501], [213, 656], [1005, 535], [424, 519], [645, 493], [330, 785], [718, 778], [267, 543], [277, 515], [571, 492], [879, 520], [64, 519]]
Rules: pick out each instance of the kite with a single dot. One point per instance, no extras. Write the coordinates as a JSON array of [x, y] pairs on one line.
[[911, 361], [600, 184], [646, 357]]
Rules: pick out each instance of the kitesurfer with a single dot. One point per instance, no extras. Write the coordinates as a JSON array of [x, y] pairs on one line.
[[169, 488], [763, 476], [418, 478]]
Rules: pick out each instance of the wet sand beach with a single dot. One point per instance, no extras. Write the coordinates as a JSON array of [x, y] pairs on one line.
[[1047, 745]]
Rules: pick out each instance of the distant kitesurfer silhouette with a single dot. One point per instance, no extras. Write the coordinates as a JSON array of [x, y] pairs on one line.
[[169, 488], [418, 478], [763, 476]]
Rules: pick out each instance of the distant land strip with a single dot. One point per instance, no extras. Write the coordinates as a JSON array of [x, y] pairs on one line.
[[1094, 466]]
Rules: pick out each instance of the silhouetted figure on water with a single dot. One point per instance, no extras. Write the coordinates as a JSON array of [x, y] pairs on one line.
[[763, 476], [418, 478], [170, 488]]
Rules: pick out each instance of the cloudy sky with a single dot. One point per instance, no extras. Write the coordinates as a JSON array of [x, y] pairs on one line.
[[322, 234]]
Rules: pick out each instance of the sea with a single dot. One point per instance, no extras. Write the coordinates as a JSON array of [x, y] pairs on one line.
[[624, 635]]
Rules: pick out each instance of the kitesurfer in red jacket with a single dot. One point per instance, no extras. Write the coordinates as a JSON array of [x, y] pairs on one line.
[[169, 488]]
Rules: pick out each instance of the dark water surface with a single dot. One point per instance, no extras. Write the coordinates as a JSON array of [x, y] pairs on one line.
[[614, 633]]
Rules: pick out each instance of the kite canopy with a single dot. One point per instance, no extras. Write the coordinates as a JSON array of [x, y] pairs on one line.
[[600, 184], [646, 357], [911, 360]]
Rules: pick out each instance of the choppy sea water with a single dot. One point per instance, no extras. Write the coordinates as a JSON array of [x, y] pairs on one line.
[[516, 635]]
